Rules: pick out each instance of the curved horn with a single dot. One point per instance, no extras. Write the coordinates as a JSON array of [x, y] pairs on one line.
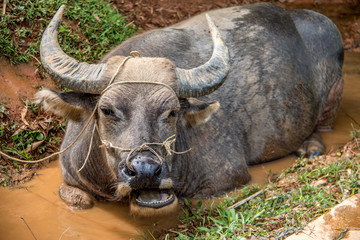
[[208, 77], [70, 73]]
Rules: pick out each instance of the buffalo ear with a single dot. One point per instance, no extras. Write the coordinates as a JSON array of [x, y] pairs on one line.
[[198, 112], [68, 105]]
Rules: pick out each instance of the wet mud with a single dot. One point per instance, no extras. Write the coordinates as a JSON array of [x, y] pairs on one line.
[[35, 207], [19, 83]]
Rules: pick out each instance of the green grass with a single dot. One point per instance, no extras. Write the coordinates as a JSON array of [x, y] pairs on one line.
[[27, 142], [3, 110], [300, 194], [90, 28], [20, 141]]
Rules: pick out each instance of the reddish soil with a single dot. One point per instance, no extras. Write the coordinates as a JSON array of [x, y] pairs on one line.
[[150, 14], [19, 83]]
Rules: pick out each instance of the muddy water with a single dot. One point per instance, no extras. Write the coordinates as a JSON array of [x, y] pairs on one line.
[[37, 204]]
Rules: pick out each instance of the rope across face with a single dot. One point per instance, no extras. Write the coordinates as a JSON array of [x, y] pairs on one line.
[[167, 144]]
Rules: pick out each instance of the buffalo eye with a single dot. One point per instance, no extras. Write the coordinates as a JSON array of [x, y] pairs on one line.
[[168, 116], [172, 114], [107, 112]]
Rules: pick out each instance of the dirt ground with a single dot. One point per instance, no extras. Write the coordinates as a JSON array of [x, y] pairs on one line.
[[150, 14], [18, 83]]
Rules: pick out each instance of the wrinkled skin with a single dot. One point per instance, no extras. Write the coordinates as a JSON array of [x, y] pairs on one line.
[[285, 82]]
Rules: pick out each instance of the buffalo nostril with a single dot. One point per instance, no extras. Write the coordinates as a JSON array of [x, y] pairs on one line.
[[129, 173], [158, 171]]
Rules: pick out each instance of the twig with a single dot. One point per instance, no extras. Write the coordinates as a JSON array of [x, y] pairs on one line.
[[342, 234], [28, 227], [4, 8], [64, 232], [242, 202], [36, 59]]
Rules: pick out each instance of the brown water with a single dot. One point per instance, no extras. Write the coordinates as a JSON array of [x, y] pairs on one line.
[[37, 202]]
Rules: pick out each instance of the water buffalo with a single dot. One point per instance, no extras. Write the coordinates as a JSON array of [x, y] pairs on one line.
[[188, 116]]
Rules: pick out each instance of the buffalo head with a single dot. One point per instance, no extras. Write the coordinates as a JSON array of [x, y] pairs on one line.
[[138, 105]]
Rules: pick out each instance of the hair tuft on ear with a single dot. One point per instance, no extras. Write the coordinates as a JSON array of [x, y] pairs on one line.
[[54, 103]]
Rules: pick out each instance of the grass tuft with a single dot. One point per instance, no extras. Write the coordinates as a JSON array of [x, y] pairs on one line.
[[90, 28], [301, 193]]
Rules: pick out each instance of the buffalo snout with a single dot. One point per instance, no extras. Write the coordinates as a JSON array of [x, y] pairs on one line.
[[143, 171]]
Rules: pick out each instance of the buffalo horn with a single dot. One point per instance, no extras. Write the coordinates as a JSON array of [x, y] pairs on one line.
[[208, 77], [70, 73]]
